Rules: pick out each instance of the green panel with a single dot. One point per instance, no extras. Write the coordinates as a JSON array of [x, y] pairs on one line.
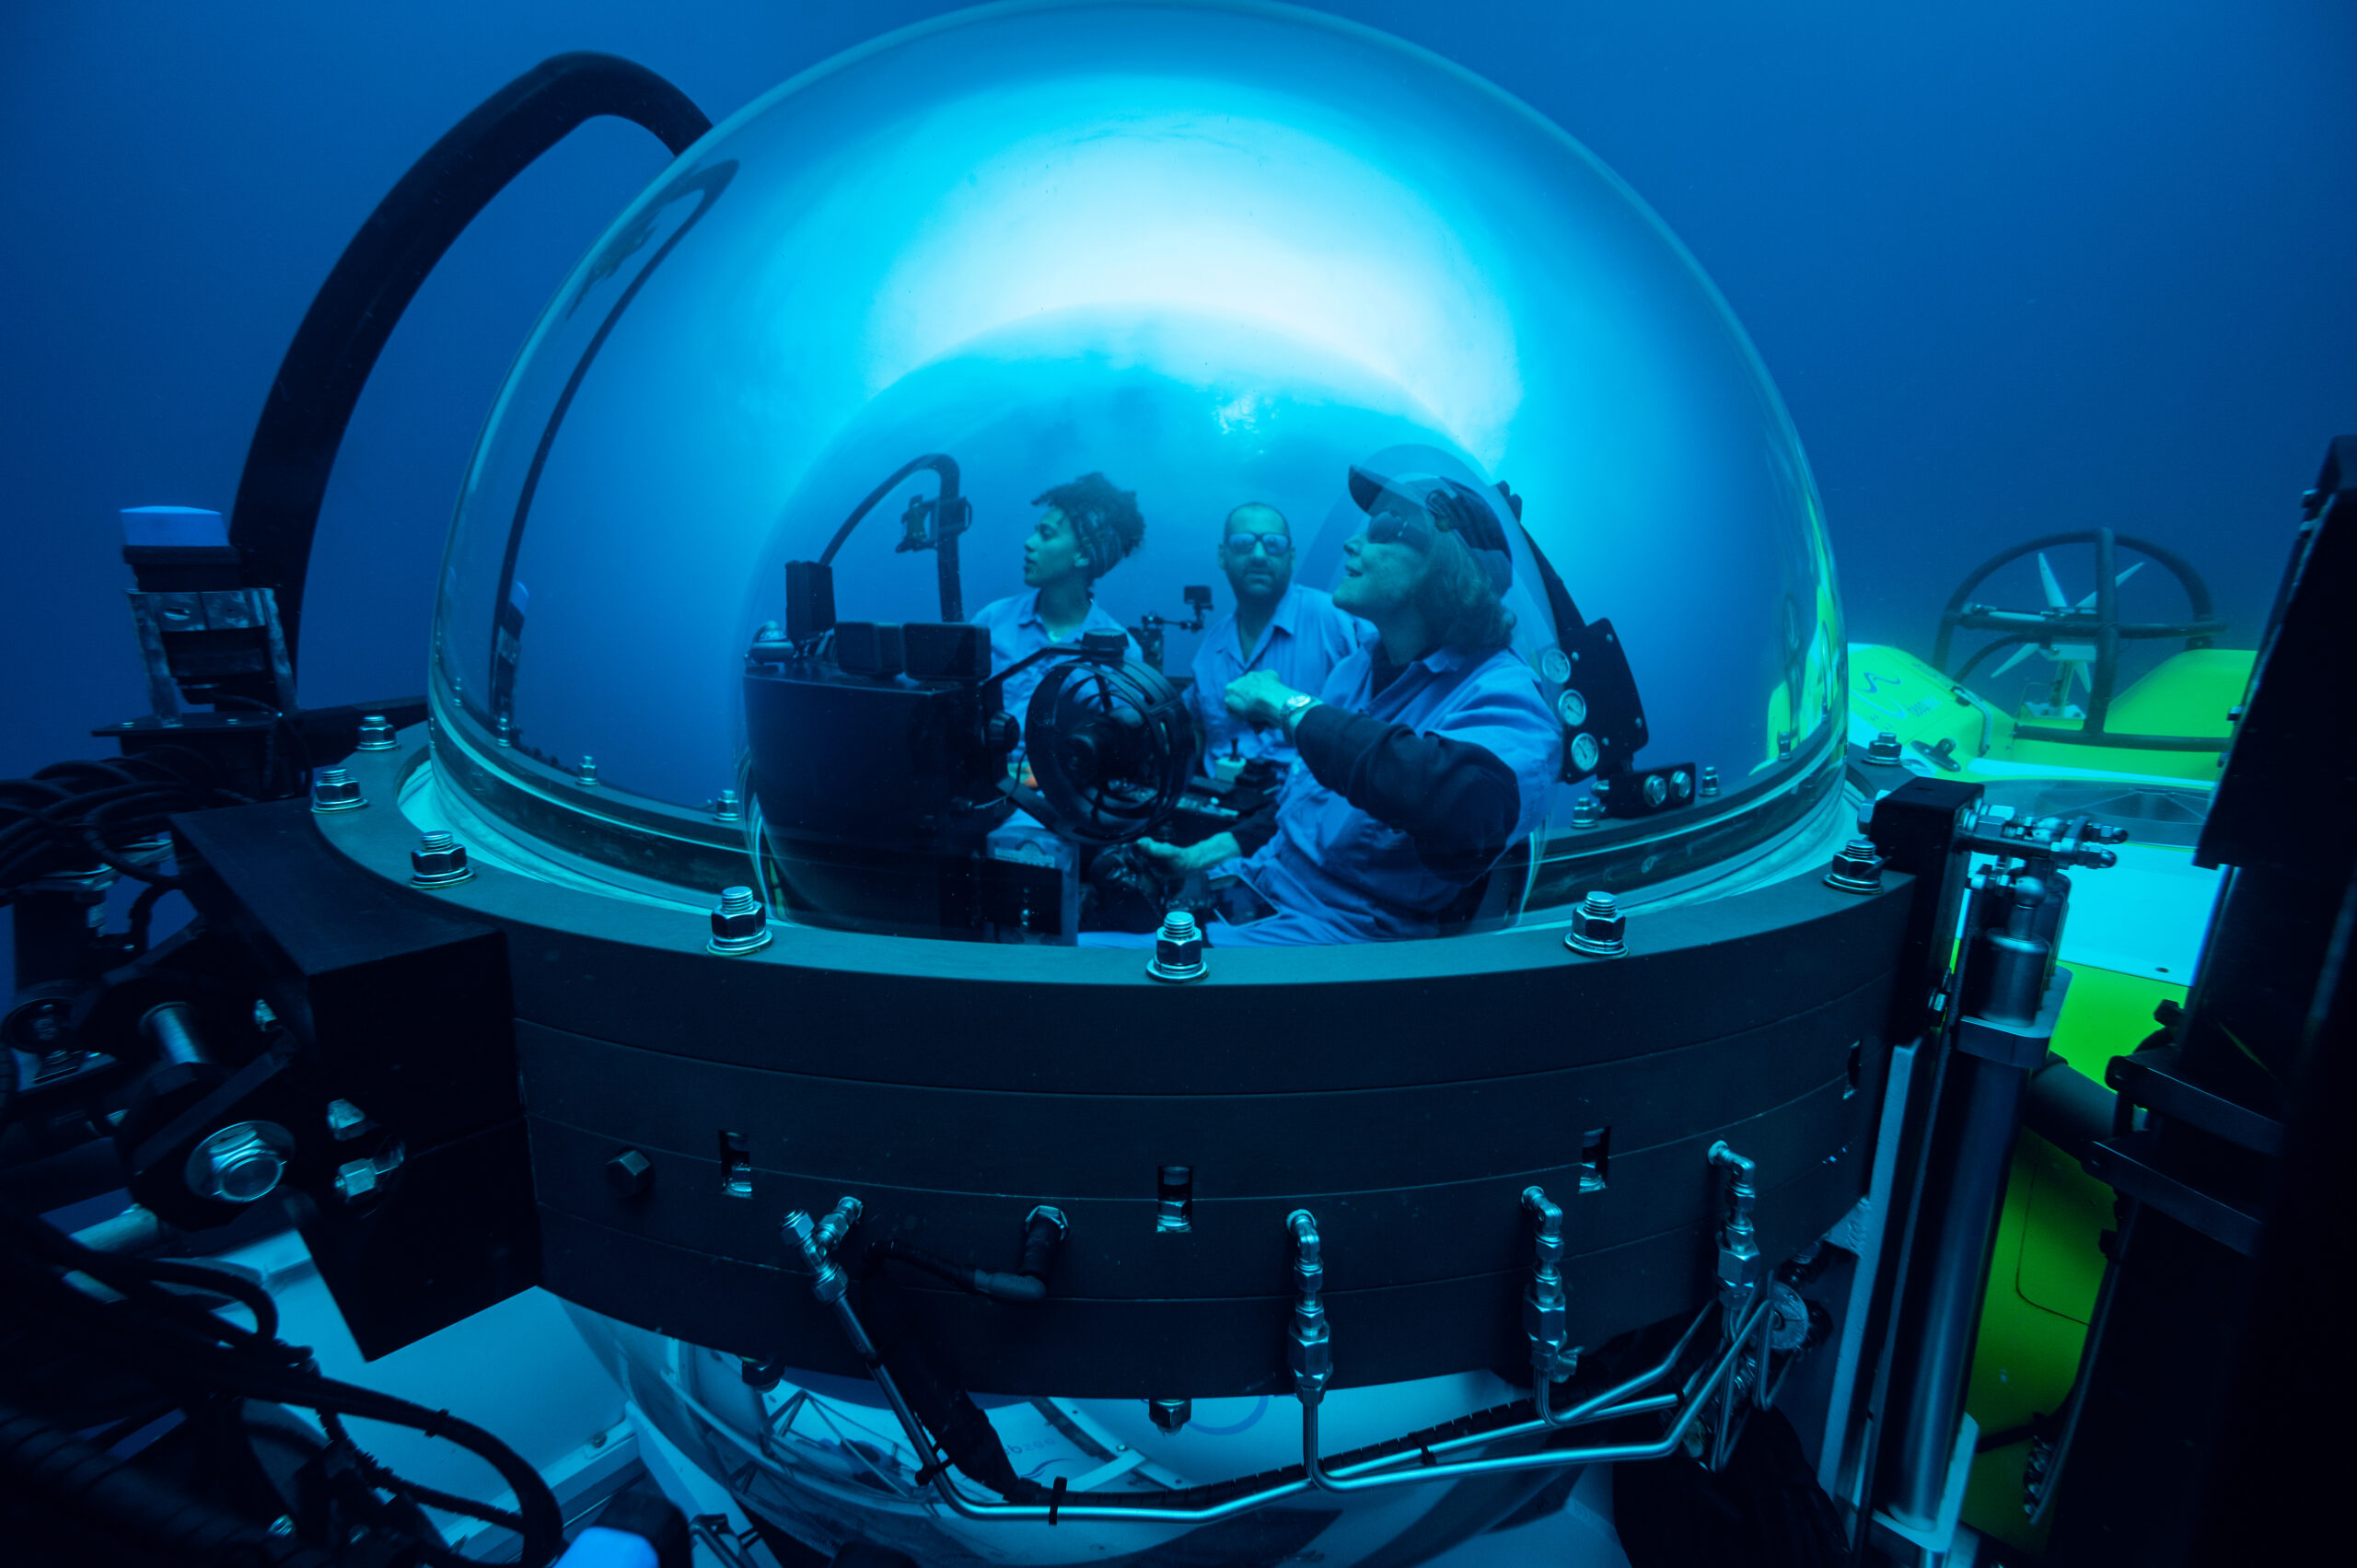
[[2047, 1263]]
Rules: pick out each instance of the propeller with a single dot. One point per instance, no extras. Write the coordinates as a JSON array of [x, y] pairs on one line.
[[2073, 658]]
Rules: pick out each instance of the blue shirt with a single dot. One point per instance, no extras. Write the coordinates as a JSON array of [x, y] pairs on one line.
[[1302, 643], [1018, 633], [1334, 873]]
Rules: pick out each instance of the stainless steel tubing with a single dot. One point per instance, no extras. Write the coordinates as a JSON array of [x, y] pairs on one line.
[[1551, 1459], [1948, 1308], [1365, 1475]]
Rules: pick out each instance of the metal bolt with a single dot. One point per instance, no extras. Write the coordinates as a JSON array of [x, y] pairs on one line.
[[1598, 926], [1656, 790], [629, 1174], [376, 733], [346, 1120], [1170, 1415], [1178, 950], [1884, 753], [585, 775], [242, 1163], [1586, 812], [332, 789], [1710, 783], [439, 861], [1681, 786], [1856, 868], [739, 924], [727, 808], [505, 733]]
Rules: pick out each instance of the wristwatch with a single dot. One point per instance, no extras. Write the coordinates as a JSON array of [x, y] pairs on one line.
[[1295, 705]]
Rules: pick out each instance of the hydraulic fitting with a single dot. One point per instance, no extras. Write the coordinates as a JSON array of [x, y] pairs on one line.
[[1856, 868], [358, 1180], [1710, 783], [739, 923], [829, 1281], [1170, 1415], [1309, 1346], [332, 789], [1739, 1267], [1044, 1229], [836, 1226], [727, 808], [1655, 790], [376, 733], [347, 1121], [1598, 928], [439, 861], [1545, 1315], [1884, 753], [585, 775], [1178, 949], [1681, 786], [1586, 812]]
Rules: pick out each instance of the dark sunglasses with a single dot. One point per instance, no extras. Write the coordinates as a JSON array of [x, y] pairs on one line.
[[1276, 544], [1386, 528]]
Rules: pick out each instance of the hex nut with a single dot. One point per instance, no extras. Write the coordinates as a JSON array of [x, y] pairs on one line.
[[333, 789], [1178, 949], [739, 923], [1857, 868], [1598, 928], [629, 1174], [376, 733], [439, 861]]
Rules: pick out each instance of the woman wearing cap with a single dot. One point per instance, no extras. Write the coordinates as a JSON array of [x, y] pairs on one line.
[[1426, 754]]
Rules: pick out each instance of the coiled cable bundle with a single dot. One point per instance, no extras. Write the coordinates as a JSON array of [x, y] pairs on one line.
[[72, 816]]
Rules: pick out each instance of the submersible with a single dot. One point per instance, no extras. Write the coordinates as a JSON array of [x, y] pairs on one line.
[[689, 949]]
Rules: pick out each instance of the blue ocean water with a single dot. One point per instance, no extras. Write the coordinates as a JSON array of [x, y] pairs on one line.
[[2027, 268]]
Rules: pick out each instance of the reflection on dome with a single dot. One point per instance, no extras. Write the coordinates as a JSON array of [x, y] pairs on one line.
[[1218, 258]]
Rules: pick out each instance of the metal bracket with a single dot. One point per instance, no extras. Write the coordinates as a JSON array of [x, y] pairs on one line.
[[2016, 1045]]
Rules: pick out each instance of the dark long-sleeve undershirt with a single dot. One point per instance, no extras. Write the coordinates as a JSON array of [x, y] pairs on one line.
[[1456, 801]]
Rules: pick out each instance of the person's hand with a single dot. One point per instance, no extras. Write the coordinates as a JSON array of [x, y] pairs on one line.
[[1259, 698], [1179, 862]]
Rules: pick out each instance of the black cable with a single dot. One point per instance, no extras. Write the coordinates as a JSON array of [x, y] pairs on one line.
[[161, 1347], [373, 1471], [327, 366], [142, 918], [109, 1496]]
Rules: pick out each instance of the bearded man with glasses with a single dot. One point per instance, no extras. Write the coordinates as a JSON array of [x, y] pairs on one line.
[[1294, 632]]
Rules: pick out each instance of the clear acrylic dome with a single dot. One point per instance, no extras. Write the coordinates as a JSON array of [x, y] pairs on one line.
[[1217, 253]]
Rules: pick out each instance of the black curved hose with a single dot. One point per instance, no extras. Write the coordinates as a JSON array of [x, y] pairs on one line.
[[319, 381], [108, 1497], [181, 1346]]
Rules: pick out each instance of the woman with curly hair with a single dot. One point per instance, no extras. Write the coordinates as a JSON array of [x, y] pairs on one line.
[[1426, 754]]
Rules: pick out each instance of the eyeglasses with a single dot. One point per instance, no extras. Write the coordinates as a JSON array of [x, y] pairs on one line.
[[1275, 545]]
